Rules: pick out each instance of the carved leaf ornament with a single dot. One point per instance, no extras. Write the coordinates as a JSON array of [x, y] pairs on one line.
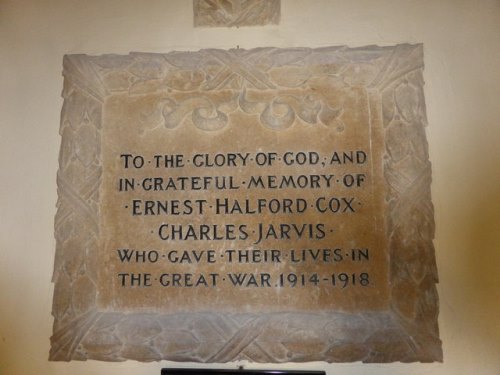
[[229, 13]]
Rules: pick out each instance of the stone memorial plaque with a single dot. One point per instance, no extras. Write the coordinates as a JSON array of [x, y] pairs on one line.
[[236, 13], [270, 205]]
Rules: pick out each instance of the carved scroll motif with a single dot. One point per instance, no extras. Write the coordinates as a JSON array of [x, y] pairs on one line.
[[203, 89]]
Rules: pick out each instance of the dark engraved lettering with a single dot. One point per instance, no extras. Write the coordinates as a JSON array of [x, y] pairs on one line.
[[169, 161], [335, 205], [359, 255], [202, 232], [253, 256], [348, 157], [188, 280], [226, 206], [354, 180], [265, 158], [138, 256], [301, 158], [131, 161], [316, 255], [250, 279], [135, 279], [189, 183], [172, 207], [289, 231], [221, 160], [193, 256], [126, 184], [344, 279], [322, 181]]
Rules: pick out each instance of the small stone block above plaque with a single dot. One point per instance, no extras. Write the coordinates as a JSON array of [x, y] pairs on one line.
[[235, 13], [270, 205]]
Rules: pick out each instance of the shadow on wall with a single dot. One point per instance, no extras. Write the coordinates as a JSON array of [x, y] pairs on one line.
[[479, 275]]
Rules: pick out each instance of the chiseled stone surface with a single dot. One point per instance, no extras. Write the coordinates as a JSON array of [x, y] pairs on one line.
[[229, 13], [365, 102]]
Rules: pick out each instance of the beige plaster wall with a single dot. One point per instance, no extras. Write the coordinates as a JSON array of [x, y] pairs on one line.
[[462, 57]]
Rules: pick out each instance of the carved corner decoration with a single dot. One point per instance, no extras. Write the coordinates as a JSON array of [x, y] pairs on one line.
[[406, 332], [236, 13]]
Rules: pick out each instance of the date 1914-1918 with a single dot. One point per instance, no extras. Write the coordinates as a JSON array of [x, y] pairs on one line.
[[339, 280]]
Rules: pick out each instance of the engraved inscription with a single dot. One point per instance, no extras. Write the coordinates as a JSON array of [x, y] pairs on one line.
[[299, 194]]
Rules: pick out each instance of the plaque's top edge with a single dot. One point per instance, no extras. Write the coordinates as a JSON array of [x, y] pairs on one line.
[[365, 48]]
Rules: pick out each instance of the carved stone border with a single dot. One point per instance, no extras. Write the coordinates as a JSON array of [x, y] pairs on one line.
[[406, 332], [236, 13]]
